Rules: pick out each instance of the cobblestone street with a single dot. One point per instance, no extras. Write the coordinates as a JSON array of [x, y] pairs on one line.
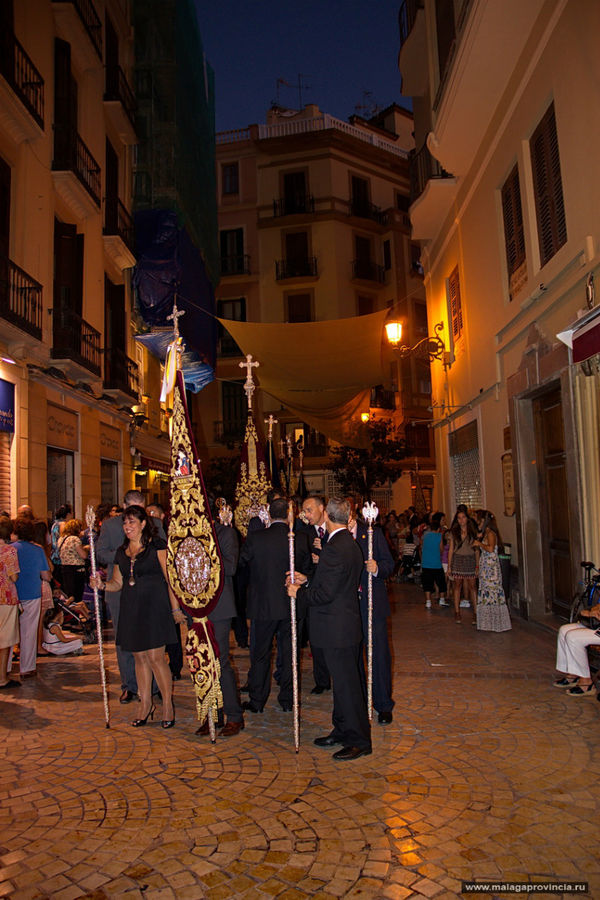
[[487, 772]]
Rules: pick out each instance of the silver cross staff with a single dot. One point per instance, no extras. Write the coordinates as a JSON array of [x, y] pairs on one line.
[[249, 383], [175, 316], [90, 518], [370, 513], [270, 422], [292, 556]]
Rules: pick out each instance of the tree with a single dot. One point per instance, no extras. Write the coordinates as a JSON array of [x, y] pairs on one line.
[[359, 471]]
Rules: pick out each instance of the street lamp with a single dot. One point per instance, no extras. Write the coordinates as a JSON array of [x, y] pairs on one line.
[[430, 347]]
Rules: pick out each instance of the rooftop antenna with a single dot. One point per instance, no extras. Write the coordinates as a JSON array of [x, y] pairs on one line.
[[302, 86]]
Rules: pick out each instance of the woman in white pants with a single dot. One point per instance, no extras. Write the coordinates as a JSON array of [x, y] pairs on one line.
[[572, 658], [33, 567]]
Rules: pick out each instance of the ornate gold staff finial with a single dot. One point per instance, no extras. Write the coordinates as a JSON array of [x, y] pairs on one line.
[[249, 387], [270, 422]]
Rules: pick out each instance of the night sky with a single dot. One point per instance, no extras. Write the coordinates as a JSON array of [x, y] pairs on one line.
[[343, 48]]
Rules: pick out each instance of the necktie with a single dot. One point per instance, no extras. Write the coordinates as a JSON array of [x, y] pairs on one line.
[[321, 532]]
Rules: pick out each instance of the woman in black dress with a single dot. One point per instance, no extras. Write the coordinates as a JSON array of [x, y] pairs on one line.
[[149, 610]]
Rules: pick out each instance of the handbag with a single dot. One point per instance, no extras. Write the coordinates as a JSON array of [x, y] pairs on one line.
[[592, 622]]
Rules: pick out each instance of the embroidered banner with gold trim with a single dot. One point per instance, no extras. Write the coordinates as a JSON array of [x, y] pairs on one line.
[[194, 562]]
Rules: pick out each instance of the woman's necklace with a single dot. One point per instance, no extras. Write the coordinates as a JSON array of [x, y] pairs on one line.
[[132, 557]]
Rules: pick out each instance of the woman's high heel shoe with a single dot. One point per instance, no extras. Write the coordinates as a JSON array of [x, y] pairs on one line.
[[168, 723], [138, 723]]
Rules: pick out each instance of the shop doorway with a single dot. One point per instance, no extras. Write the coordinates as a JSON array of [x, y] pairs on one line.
[[60, 479], [553, 501]]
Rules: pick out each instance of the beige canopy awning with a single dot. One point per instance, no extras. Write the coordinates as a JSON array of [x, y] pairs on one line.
[[321, 371]]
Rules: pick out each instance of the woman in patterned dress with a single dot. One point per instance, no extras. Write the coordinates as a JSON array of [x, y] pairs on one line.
[[492, 611], [9, 601]]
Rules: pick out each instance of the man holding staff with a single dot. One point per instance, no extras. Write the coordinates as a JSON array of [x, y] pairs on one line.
[[334, 624]]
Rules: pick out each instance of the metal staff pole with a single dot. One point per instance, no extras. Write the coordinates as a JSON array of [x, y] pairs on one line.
[[370, 513], [90, 518], [293, 626]]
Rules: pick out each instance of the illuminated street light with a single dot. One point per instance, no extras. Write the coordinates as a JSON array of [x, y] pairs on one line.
[[430, 347]]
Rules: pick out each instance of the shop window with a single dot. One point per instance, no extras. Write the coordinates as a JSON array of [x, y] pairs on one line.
[[464, 457], [60, 479], [109, 481]]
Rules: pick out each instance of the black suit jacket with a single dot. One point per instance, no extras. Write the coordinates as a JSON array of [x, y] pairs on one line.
[[332, 594], [266, 555]]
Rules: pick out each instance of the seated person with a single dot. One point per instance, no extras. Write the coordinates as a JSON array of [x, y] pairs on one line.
[[55, 640], [80, 608], [572, 657]]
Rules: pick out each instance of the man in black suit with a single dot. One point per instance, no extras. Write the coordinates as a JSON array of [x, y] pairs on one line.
[[334, 624], [314, 512], [381, 567], [266, 554]]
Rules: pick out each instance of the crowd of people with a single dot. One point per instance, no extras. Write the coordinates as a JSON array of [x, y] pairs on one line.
[[44, 578]]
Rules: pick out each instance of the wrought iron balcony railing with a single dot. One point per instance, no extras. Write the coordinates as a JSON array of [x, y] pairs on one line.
[[72, 154], [382, 398], [291, 206], [364, 210], [117, 220], [75, 339], [20, 298], [121, 373], [296, 268], [118, 88], [235, 265], [23, 77], [91, 21], [407, 16], [422, 168], [368, 270]]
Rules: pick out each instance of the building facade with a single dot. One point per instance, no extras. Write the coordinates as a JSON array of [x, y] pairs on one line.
[[70, 372], [504, 203], [313, 226]]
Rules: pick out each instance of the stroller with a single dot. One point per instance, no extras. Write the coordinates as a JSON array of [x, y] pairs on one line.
[[75, 619], [410, 564]]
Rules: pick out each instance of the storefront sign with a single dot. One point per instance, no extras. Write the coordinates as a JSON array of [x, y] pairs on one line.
[[63, 428], [7, 406], [508, 481], [110, 442]]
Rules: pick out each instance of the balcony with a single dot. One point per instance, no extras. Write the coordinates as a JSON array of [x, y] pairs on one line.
[[432, 191], [292, 206], [118, 234], [75, 173], [21, 92], [20, 299], [235, 265], [364, 210], [121, 376], [78, 23], [229, 433], [296, 268], [489, 44], [120, 105], [367, 270], [76, 345], [382, 398], [413, 48]]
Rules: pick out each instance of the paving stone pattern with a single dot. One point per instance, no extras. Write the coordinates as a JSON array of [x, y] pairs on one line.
[[487, 772]]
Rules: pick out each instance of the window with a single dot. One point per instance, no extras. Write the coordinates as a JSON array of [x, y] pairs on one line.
[[514, 234], [454, 301], [230, 178], [547, 187], [446, 33], [366, 305], [299, 308], [236, 311], [235, 411], [233, 261], [402, 202], [360, 197], [464, 455], [294, 193], [387, 255]]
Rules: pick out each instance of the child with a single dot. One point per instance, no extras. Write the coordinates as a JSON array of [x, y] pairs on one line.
[[56, 641], [431, 562]]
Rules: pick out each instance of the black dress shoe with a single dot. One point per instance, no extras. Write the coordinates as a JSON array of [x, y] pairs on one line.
[[249, 705], [318, 689], [352, 753], [127, 696], [384, 718], [328, 741]]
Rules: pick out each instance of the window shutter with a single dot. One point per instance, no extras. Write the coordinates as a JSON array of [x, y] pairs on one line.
[[547, 185], [455, 304], [514, 234]]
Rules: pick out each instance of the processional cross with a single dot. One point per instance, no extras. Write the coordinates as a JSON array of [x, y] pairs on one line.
[[175, 316], [249, 387], [270, 422]]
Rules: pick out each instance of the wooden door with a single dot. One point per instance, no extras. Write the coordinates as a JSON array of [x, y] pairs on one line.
[[554, 512]]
